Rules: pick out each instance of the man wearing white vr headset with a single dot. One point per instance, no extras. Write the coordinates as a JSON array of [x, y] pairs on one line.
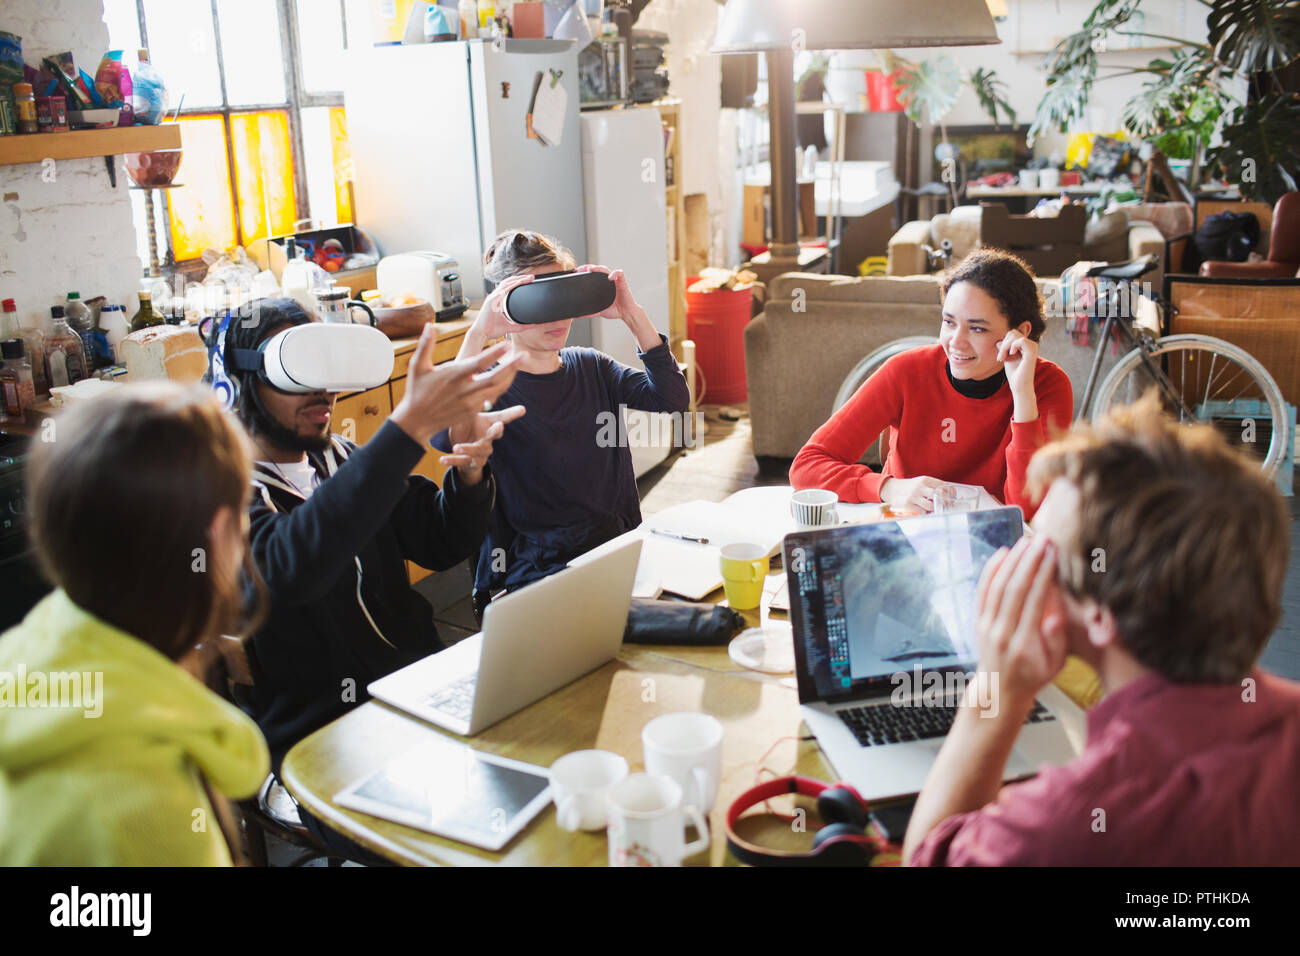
[[332, 523]]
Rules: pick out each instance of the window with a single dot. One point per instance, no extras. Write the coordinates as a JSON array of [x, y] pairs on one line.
[[263, 126]]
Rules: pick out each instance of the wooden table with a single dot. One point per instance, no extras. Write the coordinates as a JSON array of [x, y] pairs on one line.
[[605, 710]]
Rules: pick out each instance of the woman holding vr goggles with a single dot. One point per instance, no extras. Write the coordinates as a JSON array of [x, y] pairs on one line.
[[564, 487]]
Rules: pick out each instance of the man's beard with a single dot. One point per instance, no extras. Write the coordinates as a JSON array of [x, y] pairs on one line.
[[284, 438]]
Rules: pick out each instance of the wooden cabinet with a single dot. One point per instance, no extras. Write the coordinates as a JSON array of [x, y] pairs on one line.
[[358, 416]]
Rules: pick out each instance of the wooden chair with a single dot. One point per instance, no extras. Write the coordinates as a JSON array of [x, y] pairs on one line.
[[1261, 316], [1049, 245], [1177, 246]]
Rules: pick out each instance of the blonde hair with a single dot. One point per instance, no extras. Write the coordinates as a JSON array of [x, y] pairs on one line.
[[518, 250], [1182, 538]]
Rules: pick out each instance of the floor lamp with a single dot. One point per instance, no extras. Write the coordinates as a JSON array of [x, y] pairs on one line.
[[781, 28]]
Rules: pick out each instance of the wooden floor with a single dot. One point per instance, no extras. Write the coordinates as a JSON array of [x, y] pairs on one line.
[[724, 464]]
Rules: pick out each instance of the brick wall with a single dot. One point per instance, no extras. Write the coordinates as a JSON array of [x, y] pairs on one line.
[[75, 232]]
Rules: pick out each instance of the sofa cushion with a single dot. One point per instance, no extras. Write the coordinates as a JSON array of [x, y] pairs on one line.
[[961, 227], [1105, 239]]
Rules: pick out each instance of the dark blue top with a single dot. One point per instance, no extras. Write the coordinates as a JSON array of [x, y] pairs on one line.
[[564, 471]]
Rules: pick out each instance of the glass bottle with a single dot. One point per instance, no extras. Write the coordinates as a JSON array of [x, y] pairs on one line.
[[34, 342], [146, 317], [25, 108], [16, 378], [65, 355]]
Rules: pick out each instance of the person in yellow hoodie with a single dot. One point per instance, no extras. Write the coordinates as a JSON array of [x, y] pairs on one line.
[[108, 748]]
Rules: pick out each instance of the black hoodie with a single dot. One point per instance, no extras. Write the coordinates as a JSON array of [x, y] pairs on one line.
[[342, 612]]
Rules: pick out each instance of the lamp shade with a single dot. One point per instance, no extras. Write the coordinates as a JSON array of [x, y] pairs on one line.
[[754, 25]]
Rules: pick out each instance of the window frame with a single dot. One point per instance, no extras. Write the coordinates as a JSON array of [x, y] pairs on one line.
[[297, 98]]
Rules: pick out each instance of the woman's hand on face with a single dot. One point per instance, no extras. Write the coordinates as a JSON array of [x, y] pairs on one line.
[[910, 494], [1019, 355], [624, 304], [492, 319]]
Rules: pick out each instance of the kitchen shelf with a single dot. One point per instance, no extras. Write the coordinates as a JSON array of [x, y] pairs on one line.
[[78, 144]]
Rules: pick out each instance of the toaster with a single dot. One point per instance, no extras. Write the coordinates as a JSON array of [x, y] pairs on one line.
[[432, 276]]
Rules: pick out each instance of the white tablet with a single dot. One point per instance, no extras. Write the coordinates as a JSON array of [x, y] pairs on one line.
[[453, 790]]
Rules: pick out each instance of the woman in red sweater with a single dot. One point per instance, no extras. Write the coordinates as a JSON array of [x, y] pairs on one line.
[[971, 410]]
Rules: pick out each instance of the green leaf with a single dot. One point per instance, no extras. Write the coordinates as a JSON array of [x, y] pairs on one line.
[[1064, 102], [931, 86], [992, 93], [1261, 147], [1254, 35]]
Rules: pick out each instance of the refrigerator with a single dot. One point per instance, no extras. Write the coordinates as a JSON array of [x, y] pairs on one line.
[[441, 157], [627, 228]]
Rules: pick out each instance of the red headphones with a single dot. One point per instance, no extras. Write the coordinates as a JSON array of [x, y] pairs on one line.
[[842, 841]]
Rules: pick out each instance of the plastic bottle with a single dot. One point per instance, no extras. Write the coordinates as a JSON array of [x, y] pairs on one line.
[[295, 281], [34, 345], [16, 378], [148, 91], [79, 318], [487, 12], [468, 19], [65, 356], [115, 327]]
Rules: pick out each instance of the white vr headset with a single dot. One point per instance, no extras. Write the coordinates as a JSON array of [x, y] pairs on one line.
[[319, 357]]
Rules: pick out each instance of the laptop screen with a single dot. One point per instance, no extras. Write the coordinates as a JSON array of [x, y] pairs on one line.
[[870, 601]]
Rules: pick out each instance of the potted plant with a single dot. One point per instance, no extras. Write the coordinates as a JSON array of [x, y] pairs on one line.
[[930, 88], [1189, 96]]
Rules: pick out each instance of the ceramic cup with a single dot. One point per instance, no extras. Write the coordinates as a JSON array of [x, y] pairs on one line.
[[580, 782], [744, 566], [1029, 179], [1049, 178], [687, 748], [813, 508], [647, 823]]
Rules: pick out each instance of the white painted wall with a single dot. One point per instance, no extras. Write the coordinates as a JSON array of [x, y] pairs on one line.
[[75, 232]]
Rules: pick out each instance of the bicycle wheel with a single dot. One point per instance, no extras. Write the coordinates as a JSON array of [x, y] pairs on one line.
[[863, 371], [1218, 383]]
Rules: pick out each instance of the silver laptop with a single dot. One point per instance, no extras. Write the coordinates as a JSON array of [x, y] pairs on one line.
[[534, 641], [884, 631]]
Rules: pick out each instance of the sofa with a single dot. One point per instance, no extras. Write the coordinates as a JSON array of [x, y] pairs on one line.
[[1125, 232], [814, 329]]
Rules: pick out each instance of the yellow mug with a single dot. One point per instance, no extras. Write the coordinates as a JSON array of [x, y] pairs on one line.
[[744, 566]]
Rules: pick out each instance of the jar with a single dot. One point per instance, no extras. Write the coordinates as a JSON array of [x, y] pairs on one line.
[[25, 108]]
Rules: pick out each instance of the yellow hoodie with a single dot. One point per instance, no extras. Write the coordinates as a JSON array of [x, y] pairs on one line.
[[102, 741]]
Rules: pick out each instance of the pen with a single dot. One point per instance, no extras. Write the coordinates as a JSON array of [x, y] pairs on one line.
[[679, 537]]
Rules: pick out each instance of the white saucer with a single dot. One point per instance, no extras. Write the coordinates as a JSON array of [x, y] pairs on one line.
[[769, 648]]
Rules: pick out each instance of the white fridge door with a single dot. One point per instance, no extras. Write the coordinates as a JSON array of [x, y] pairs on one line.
[[411, 133], [623, 186], [524, 183]]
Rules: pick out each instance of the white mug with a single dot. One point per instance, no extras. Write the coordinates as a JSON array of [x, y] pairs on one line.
[[1029, 179], [1049, 178], [647, 823], [688, 748], [580, 781], [813, 508]]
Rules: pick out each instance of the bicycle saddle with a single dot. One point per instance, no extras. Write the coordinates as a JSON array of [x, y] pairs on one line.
[[1125, 270], [560, 295]]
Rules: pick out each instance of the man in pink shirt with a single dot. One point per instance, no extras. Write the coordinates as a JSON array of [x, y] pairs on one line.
[[1159, 560]]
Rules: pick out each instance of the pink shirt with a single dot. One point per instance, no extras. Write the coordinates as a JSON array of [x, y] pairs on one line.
[[1172, 775]]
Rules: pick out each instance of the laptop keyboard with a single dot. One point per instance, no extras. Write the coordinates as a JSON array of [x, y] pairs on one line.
[[456, 698], [887, 724]]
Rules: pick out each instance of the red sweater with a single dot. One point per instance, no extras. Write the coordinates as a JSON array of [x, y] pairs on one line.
[[933, 430]]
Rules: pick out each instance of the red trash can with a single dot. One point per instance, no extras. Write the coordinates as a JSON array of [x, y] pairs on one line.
[[716, 322]]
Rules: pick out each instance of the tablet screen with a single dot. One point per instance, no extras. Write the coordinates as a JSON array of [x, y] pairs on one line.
[[450, 789]]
